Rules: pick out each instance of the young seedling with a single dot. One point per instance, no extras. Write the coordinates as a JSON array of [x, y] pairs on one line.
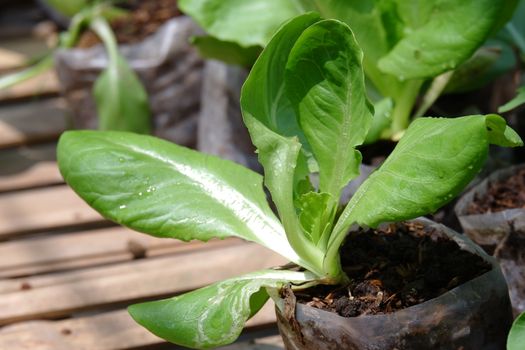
[[405, 42], [121, 99], [305, 106]]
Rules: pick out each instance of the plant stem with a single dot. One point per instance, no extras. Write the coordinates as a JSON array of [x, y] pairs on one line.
[[434, 91], [403, 104], [101, 27]]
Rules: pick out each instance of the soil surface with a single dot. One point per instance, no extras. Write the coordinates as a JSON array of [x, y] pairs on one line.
[[501, 196], [393, 268], [145, 17]]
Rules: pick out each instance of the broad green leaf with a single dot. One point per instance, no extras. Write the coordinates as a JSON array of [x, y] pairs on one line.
[[160, 188], [516, 338], [226, 51], [376, 32], [247, 23], [517, 101], [440, 34], [215, 315], [325, 82], [122, 101], [273, 127], [434, 160], [263, 94]]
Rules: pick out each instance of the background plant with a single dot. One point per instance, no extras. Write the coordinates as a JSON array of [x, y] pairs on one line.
[[515, 35], [306, 109], [405, 43], [516, 339], [120, 97]]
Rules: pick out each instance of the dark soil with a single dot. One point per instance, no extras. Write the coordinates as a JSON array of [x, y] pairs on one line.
[[393, 268], [145, 17], [501, 196]]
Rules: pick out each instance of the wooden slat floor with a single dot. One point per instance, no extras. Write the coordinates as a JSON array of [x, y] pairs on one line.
[[66, 274]]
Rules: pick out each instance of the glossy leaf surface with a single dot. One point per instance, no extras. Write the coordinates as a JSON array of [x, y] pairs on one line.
[[274, 130], [439, 35], [165, 190], [325, 82], [435, 159], [215, 315], [247, 23]]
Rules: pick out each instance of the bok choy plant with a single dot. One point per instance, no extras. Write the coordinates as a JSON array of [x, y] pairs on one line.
[[306, 109], [121, 99], [405, 42]]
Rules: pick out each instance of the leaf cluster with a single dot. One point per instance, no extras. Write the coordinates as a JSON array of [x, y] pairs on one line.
[[405, 43], [306, 108]]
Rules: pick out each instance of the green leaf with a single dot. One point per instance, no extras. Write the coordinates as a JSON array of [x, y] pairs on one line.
[[316, 214], [226, 51], [377, 29], [263, 95], [325, 82], [68, 8], [462, 26], [273, 128], [215, 315], [516, 338], [122, 101], [499, 133], [434, 160], [160, 188], [381, 121], [247, 23], [517, 101], [278, 155]]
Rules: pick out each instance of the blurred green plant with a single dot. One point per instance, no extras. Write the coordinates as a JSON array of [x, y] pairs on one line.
[[515, 36], [121, 99], [405, 43]]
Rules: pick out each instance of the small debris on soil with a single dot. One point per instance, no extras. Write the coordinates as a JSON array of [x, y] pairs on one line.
[[393, 268], [501, 196], [144, 18]]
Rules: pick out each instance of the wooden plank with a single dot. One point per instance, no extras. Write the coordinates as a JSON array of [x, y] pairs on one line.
[[74, 250], [43, 209], [31, 122], [44, 84], [109, 331], [148, 278], [10, 60], [29, 167]]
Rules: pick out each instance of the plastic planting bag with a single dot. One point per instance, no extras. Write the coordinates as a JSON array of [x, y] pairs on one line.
[[168, 66], [474, 315], [502, 232]]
